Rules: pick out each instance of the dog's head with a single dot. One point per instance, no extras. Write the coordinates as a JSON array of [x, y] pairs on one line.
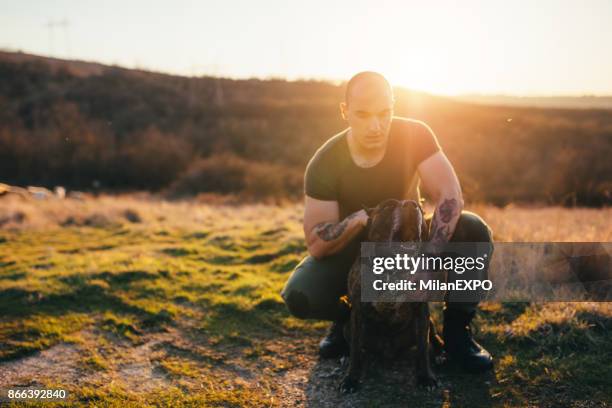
[[396, 221]]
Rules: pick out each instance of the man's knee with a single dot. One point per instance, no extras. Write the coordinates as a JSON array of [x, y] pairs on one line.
[[303, 306], [294, 292], [297, 302], [314, 288], [298, 290], [471, 228]]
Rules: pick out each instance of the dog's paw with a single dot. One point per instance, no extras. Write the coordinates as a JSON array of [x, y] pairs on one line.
[[348, 385], [429, 382], [439, 359]]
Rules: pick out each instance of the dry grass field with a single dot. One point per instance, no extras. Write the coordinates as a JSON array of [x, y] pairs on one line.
[[135, 301]]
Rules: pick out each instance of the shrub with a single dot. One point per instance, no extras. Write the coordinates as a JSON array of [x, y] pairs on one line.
[[226, 173]]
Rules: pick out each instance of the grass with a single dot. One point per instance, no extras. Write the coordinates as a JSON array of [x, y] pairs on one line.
[[138, 302]]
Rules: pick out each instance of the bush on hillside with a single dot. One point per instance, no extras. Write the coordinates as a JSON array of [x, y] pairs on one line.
[[226, 173]]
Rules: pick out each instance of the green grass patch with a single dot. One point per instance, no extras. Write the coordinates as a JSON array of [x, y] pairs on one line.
[[204, 303], [21, 337]]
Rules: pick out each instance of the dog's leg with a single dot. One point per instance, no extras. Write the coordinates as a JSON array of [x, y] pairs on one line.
[[424, 374], [436, 343], [351, 381]]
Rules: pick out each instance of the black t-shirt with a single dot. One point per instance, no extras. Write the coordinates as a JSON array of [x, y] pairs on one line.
[[331, 174]]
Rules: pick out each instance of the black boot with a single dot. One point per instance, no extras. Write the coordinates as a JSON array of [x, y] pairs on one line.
[[460, 346], [334, 344]]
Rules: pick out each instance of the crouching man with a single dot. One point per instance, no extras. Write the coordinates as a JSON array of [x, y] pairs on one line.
[[378, 157]]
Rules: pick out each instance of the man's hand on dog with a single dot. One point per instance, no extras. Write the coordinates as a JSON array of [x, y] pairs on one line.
[[363, 217]]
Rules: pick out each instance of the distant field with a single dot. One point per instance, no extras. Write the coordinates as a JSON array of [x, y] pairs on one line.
[[133, 301]]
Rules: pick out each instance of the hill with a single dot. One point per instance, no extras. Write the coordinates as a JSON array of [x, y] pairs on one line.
[[567, 102], [85, 125]]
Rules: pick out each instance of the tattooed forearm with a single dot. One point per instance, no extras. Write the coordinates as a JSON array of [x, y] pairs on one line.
[[441, 234], [447, 209], [440, 225], [328, 231]]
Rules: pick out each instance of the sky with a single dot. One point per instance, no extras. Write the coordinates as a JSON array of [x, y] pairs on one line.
[[527, 48]]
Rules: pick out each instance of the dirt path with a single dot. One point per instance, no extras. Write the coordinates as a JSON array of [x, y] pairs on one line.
[[286, 372]]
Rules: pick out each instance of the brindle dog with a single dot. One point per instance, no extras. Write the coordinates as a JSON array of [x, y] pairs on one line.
[[393, 325]]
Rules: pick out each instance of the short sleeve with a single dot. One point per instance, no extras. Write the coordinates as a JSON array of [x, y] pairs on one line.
[[320, 180], [424, 143]]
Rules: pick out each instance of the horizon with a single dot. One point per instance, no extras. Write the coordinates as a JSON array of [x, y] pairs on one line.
[[523, 50], [326, 80]]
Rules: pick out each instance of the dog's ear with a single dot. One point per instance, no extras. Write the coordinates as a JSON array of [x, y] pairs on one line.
[[369, 223], [422, 227], [412, 228]]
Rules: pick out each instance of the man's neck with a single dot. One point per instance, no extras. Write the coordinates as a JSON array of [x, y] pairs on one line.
[[364, 157]]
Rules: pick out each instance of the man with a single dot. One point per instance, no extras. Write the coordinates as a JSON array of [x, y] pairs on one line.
[[378, 157]]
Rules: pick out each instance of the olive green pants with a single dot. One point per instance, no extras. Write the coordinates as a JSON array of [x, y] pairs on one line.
[[314, 289]]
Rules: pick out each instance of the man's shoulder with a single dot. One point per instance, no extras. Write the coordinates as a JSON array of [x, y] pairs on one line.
[[331, 148], [417, 135], [320, 179], [408, 124]]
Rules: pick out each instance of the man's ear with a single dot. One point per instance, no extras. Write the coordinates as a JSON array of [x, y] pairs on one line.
[[343, 110]]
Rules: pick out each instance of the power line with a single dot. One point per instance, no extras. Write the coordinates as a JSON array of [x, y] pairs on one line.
[[63, 25]]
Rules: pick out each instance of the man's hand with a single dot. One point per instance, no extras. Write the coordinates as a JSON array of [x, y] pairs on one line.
[[363, 218], [325, 234]]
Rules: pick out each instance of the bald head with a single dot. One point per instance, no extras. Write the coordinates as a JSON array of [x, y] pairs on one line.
[[368, 109], [368, 81]]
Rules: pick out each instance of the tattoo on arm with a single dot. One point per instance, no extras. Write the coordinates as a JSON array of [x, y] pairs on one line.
[[328, 231], [441, 234], [447, 209], [440, 228]]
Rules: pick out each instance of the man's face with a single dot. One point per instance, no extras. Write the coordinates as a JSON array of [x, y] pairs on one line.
[[368, 111]]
